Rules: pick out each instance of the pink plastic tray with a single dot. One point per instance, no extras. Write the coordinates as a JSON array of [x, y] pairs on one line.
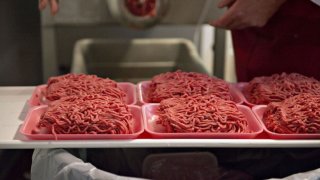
[[158, 131], [144, 86], [38, 98], [240, 86], [30, 127], [258, 112]]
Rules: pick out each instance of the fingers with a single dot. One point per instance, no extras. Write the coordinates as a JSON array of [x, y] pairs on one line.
[[233, 18], [54, 7], [43, 4], [225, 3], [226, 20], [230, 21], [246, 13]]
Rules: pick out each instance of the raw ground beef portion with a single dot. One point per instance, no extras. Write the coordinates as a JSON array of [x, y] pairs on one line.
[[81, 84], [90, 114], [298, 114], [182, 84], [199, 114], [275, 88]]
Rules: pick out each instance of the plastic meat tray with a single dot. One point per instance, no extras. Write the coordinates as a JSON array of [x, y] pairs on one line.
[[259, 110], [30, 130], [240, 87], [149, 112]]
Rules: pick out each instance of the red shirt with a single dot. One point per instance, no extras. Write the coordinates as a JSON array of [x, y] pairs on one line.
[[290, 42]]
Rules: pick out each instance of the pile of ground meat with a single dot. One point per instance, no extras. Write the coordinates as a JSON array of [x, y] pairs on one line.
[[81, 84], [278, 87], [204, 114], [90, 114], [182, 84], [298, 114]]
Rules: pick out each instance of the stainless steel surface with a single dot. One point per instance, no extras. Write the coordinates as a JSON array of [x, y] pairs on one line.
[[96, 12], [121, 12], [80, 19], [219, 55], [135, 60]]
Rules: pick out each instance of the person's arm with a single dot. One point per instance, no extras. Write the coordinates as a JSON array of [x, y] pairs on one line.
[[246, 13], [54, 5]]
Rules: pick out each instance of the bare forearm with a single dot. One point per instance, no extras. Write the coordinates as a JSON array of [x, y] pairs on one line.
[[246, 13]]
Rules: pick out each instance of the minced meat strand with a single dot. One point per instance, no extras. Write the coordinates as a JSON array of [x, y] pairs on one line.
[[90, 114], [179, 84], [298, 114], [81, 84], [278, 87], [201, 114]]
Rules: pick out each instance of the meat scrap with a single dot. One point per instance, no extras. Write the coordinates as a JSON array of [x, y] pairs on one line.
[[278, 87], [81, 84], [298, 114], [181, 84], [90, 114], [200, 114]]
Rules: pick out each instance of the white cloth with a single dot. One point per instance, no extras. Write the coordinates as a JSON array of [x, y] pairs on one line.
[[309, 175], [58, 164], [316, 1]]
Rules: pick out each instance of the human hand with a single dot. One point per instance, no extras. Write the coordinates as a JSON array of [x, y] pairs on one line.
[[54, 5], [246, 13]]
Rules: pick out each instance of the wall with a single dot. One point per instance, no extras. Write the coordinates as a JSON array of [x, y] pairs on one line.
[[20, 47]]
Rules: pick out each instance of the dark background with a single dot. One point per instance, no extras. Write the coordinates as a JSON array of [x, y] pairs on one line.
[[20, 43], [20, 65]]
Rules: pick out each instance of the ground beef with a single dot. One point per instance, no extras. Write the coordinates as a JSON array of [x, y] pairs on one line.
[[81, 84], [298, 114], [201, 114], [90, 114], [275, 88], [181, 84]]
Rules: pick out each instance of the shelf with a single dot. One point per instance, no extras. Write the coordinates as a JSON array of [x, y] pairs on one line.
[[13, 108]]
